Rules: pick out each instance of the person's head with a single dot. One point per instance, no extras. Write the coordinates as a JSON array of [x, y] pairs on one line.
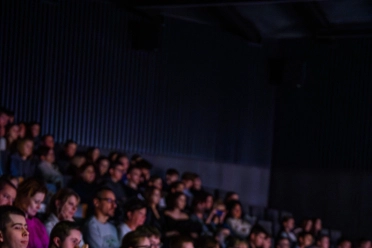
[[102, 165], [65, 234], [363, 243], [324, 242], [156, 181], [181, 242], [123, 159], [30, 195], [233, 242], [176, 187], [48, 140], [283, 243], [64, 204], [135, 213], [176, 201], [231, 196], [87, 173], [209, 201], [152, 233], [93, 154], [46, 154], [307, 225], [317, 225], [145, 167], [198, 203], [235, 209], [188, 179], [134, 240], [171, 176], [116, 171], [134, 175], [288, 223], [135, 159], [25, 147], [104, 202], [34, 129], [8, 192], [152, 195], [22, 130], [305, 239], [197, 183], [13, 228], [4, 118], [207, 242], [267, 242], [344, 243], [12, 132], [70, 148], [257, 236], [78, 160]]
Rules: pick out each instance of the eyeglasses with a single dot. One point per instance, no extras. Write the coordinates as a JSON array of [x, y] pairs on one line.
[[109, 200]]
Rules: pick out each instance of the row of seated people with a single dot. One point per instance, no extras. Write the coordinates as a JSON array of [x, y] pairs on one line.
[[120, 196]]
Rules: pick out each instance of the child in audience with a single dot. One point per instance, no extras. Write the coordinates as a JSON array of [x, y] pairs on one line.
[[20, 164], [30, 195], [62, 207], [235, 222]]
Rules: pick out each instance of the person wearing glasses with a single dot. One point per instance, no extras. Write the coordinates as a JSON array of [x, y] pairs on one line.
[[13, 228], [153, 234], [98, 232], [135, 239]]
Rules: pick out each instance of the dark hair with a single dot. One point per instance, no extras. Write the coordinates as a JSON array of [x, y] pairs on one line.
[[133, 167], [4, 181], [286, 218], [5, 212], [174, 185], [320, 237], [43, 150], [188, 176], [69, 142], [280, 238], [172, 199], [303, 234], [144, 164], [230, 205], [149, 231], [62, 195], [113, 156], [232, 241], [85, 166], [178, 241], [198, 199], [28, 188], [148, 193], [154, 178], [100, 191], [228, 195], [62, 230], [361, 241], [45, 136], [133, 205], [257, 229], [172, 172], [121, 155], [342, 240], [206, 242], [9, 126], [115, 164], [132, 239]]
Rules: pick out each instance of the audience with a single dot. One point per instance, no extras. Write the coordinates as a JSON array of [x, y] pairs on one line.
[[13, 228], [30, 195], [65, 234], [98, 232], [112, 189]]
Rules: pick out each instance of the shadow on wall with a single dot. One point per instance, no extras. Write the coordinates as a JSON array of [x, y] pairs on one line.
[[250, 182]]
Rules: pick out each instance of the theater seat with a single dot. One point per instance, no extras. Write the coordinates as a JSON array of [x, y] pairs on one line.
[[258, 212]]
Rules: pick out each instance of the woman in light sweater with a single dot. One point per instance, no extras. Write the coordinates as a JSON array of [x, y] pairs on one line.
[[234, 220]]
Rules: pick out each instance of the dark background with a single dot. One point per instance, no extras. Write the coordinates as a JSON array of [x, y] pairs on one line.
[[202, 94]]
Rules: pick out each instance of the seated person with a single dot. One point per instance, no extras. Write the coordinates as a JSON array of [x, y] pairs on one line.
[[267, 242], [181, 242], [235, 222], [113, 181], [123, 159], [305, 239], [362, 243], [154, 216], [231, 196], [65, 234], [283, 243], [287, 230], [323, 242], [152, 234], [176, 187], [188, 181], [46, 169], [84, 185], [157, 182], [145, 167], [13, 228], [135, 216], [344, 243], [197, 187], [171, 176], [11, 135], [62, 207], [30, 195], [93, 154], [102, 166], [257, 237], [197, 214], [48, 140], [98, 232], [135, 239], [65, 157], [207, 242], [133, 181], [306, 226], [233, 242], [33, 132], [20, 163], [8, 192]]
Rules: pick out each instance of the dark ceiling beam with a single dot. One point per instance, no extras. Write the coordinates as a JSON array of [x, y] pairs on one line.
[[233, 22], [161, 4]]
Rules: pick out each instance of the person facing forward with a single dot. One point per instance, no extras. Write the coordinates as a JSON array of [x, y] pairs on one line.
[[13, 228]]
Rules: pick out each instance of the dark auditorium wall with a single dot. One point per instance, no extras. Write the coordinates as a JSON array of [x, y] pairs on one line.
[[200, 98], [322, 147]]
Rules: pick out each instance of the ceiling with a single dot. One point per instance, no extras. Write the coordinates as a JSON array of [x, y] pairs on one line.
[[258, 20]]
